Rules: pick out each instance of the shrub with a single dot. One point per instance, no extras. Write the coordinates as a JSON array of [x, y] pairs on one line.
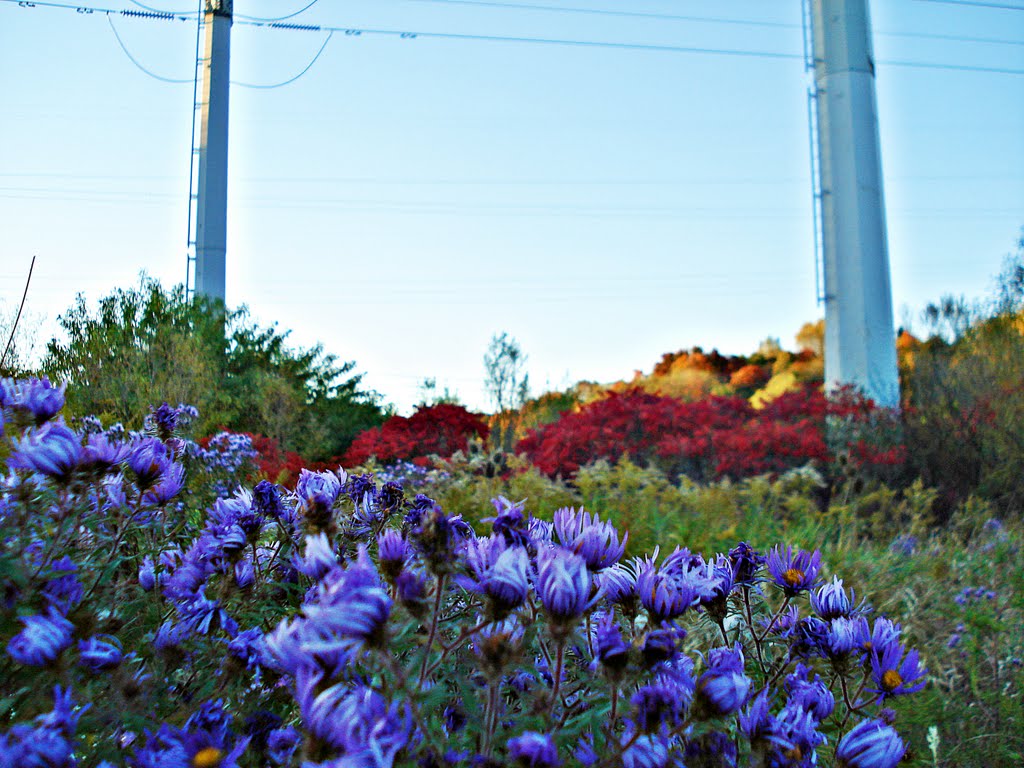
[[717, 437], [439, 430]]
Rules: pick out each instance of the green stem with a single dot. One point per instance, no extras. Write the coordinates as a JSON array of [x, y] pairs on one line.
[[433, 630], [559, 660]]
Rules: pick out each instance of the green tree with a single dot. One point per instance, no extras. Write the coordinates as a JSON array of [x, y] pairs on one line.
[[507, 384], [145, 345]]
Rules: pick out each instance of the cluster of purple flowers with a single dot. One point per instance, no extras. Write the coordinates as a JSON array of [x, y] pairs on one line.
[[349, 624], [228, 457], [969, 595]]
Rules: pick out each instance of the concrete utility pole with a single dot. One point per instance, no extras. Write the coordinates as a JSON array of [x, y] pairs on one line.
[[860, 341], [211, 196]]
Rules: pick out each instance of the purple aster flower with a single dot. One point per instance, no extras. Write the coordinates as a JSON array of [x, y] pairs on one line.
[[895, 674], [723, 688], [64, 591], [169, 635], [248, 646], [533, 750], [799, 728], [746, 563], [40, 398], [843, 637], [498, 572], [661, 645], [319, 559], [679, 584], [763, 729], [42, 640], [904, 545], [281, 744], [162, 749], [147, 574], [722, 577], [101, 454], [611, 650], [830, 601], [28, 746], [618, 585], [411, 591], [390, 497], [8, 393], [359, 487], [595, 541], [660, 705], [65, 714], [245, 573], [392, 553], [149, 460], [164, 421], [100, 653], [883, 634], [169, 486], [809, 692], [870, 744], [357, 722], [315, 493], [584, 752], [648, 751], [266, 500], [564, 588], [203, 616], [52, 450], [794, 572], [511, 522], [498, 645], [434, 534], [349, 609]]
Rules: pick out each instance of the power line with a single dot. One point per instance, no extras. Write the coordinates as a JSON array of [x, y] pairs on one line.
[[953, 38], [276, 18], [958, 67], [160, 10], [136, 62], [974, 4], [90, 10], [701, 19], [410, 35], [291, 79], [605, 12]]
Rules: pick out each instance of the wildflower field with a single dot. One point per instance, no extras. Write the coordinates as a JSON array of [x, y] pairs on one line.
[[714, 565]]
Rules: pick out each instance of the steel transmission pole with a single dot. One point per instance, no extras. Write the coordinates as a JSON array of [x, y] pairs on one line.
[[212, 189], [860, 341]]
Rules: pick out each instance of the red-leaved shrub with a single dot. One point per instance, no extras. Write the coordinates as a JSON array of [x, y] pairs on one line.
[[438, 430], [715, 437]]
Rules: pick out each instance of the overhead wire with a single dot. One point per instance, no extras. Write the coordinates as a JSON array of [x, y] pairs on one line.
[[408, 35], [606, 12], [275, 18], [699, 19], [291, 79], [975, 4], [159, 10], [137, 63]]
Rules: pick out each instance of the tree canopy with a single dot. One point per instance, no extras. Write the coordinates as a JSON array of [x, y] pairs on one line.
[[145, 345]]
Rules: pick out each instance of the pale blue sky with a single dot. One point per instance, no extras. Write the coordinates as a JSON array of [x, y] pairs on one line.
[[408, 198]]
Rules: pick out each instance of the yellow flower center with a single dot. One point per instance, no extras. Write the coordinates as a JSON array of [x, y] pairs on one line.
[[891, 680], [793, 576], [208, 757]]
